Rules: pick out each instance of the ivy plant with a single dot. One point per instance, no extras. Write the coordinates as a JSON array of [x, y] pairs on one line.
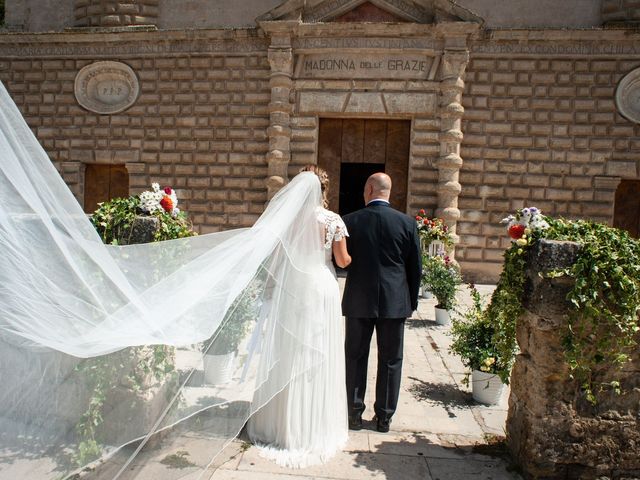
[[603, 323]]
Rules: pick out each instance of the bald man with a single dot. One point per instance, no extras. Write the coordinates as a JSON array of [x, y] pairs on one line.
[[381, 291]]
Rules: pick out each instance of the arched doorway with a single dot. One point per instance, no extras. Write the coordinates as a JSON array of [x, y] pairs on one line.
[[351, 149]]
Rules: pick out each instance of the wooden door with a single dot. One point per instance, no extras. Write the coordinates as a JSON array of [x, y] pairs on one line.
[[352, 149], [627, 207], [102, 183]]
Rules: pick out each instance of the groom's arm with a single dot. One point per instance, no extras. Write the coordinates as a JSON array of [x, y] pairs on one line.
[[413, 267]]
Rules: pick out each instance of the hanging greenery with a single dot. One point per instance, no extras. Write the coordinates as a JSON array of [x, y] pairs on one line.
[[603, 324]]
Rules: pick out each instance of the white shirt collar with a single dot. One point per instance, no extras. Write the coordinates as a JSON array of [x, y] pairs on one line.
[[378, 200]]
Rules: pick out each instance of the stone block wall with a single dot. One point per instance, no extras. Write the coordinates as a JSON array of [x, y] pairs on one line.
[[540, 131], [620, 11], [552, 431], [111, 13], [198, 125]]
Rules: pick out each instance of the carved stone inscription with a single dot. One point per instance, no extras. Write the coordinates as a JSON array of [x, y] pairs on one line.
[[106, 87], [401, 66]]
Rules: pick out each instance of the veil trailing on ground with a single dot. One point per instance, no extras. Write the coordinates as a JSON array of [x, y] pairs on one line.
[[109, 351]]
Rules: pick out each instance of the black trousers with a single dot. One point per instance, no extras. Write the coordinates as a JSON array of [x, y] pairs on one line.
[[390, 338]]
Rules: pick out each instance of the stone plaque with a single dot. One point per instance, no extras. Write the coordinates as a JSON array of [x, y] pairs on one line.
[[106, 87], [371, 66], [628, 96]]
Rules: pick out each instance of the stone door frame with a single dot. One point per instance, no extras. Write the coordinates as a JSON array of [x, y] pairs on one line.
[[432, 102]]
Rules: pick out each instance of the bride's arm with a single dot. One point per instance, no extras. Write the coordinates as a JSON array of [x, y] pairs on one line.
[[340, 253]]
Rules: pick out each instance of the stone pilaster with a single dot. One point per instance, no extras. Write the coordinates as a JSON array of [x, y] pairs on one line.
[[454, 62], [280, 107]]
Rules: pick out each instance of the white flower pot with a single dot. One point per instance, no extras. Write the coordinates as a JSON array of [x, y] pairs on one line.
[[218, 369], [426, 293], [442, 316], [487, 387]]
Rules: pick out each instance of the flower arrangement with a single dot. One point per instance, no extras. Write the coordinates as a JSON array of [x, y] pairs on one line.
[[431, 229], [472, 335], [523, 223], [441, 277], [113, 219], [159, 200]]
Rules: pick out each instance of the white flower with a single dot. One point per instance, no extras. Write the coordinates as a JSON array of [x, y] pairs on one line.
[[155, 186]]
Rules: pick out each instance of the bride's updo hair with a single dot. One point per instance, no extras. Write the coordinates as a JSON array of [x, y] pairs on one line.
[[324, 180]]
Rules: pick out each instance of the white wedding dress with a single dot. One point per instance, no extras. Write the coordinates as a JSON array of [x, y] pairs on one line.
[[306, 423]]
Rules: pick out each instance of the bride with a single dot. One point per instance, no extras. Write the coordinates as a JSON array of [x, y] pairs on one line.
[[306, 423], [103, 345]]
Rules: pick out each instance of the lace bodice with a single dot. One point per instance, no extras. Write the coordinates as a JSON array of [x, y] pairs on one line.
[[333, 227]]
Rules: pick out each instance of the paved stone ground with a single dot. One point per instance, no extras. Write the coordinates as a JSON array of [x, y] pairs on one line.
[[438, 432]]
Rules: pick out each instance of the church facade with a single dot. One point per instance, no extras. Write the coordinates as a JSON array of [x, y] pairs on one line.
[[474, 109]]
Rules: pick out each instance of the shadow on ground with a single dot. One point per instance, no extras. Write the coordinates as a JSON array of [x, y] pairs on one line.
[[424, 459]]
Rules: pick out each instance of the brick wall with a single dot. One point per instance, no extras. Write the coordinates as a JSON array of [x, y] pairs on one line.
[[616, 11], [198, 125], [540, 132], [111, 13]]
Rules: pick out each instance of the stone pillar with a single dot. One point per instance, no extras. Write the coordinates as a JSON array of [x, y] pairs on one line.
[[114, 13], [454, 63], [552, 431], [280, 108]]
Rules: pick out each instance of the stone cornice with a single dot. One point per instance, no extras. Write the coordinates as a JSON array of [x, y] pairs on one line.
[[96, 45]]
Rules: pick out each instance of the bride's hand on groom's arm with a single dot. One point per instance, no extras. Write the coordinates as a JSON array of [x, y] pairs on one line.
[[340, 254]]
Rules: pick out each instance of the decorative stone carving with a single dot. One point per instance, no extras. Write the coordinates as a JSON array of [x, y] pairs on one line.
[[454, 63], [106, 87], [280, 57], [628, 96]]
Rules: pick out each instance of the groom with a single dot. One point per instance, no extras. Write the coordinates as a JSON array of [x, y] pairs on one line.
[[381, 291]]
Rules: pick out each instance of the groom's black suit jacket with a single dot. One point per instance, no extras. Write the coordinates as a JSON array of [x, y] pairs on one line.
[[384, 275]]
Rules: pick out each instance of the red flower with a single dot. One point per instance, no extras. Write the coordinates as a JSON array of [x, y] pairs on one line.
[[422, 212], [418, 218], [167, 190], [516, 231], [166, 203]]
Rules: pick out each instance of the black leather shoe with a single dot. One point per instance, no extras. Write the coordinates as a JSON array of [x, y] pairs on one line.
[[355, 423], [382, 425]]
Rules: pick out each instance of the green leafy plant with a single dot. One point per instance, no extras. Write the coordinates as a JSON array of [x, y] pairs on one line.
[[130, 368], [441, 277], [114, 219], [473, 335], [239, 318], [603, 325]]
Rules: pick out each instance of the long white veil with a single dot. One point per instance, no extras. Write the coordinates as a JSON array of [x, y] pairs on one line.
[[105, 346]]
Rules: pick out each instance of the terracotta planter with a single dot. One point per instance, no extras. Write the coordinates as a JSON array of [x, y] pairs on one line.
[[487, 387], [218, 369], [442, 316]]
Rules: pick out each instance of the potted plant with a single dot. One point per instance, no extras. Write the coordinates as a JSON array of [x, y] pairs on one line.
[[442, 277], [473, 340], [220, 350]]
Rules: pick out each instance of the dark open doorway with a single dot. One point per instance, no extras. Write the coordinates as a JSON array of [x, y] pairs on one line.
[[351, 149], [352, 179]]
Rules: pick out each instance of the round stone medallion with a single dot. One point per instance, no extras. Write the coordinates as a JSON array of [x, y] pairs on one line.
[[628, 96], [106, 87]]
